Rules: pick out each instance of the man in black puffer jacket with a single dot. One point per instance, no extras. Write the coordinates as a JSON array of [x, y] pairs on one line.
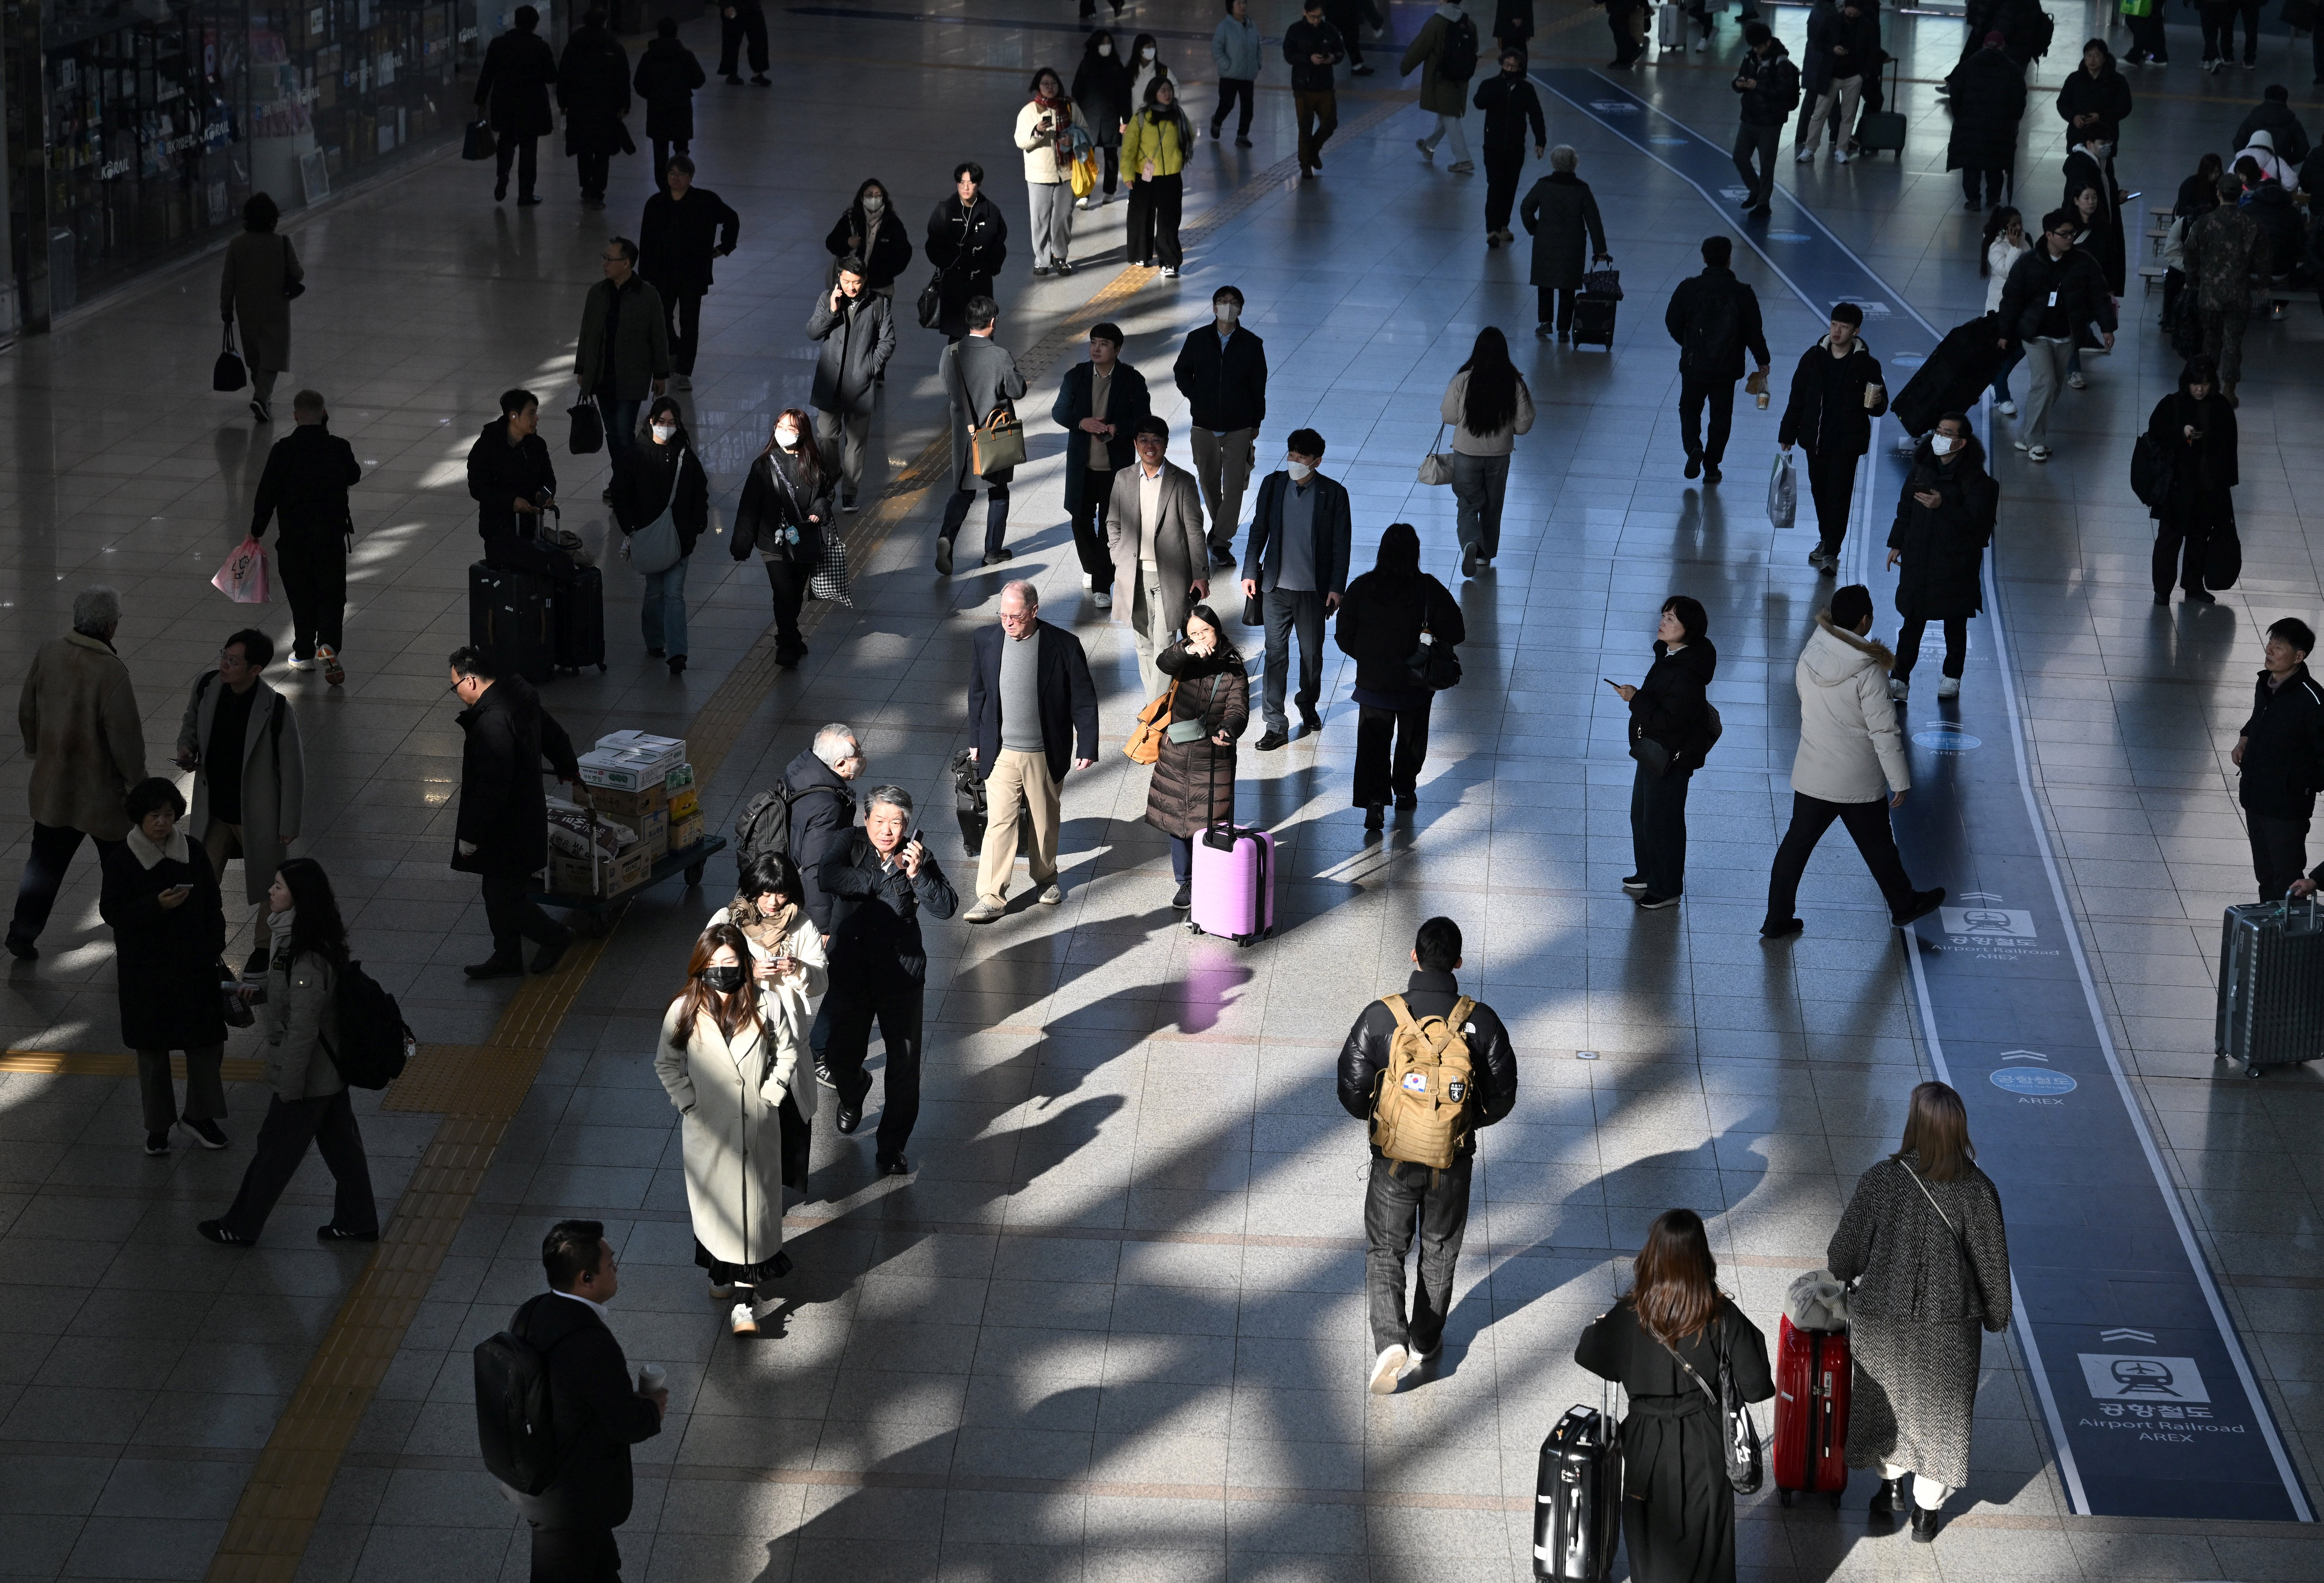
[[1836, 393], [1769, 84], [1402, 1197], [2281, 755]]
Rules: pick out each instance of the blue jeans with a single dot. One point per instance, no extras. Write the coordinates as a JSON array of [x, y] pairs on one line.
[[661, 610], [621, 419], [2001, 380]]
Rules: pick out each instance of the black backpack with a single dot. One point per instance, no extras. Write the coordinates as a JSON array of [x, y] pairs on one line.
[[1457, 61], [515, 1428], [765, 830], [375, 1041]]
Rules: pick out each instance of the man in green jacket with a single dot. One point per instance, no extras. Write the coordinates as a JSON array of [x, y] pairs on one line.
[[1447, 44], [624, 346]]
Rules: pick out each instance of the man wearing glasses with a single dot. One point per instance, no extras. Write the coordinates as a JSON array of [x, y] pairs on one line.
[[1030, 700], [624, 347], [2054, 293]]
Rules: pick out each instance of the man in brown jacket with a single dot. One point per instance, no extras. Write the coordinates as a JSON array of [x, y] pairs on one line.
[[87, 741]]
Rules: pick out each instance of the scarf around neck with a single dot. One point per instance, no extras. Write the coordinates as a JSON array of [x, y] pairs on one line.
[[148, 854]]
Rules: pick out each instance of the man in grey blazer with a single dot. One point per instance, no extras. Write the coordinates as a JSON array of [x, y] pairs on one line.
[[1154, 531], [979, 375]]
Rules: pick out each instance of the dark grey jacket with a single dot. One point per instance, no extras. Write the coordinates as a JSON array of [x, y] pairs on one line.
[[979, 375], [857, 338], [1892, 1243]]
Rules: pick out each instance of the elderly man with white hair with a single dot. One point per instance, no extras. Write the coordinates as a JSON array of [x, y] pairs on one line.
[[821, 806], [87, 740], [1030, 700]]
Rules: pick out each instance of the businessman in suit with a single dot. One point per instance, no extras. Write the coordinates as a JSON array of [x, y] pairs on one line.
[[595, 1405], [1154, 532], [979, 375], [1030, 700]]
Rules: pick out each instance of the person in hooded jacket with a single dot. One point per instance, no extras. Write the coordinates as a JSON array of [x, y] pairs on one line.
[[868, 229], [2195, 426], [667, 75], [593, 90], [663, 477], [1561, 214], [512, 90], [1850, 765], [1769, 86], [784, 514], [968, 243], [1670, 728], [1385, 617], [2273, 116], [1837, 392], [2089, 169], [685, 229], [1987, 93], [2260, 149], [1444, 97], [1945, 517], [2093, 100], [1101, 89], [1510, 105]]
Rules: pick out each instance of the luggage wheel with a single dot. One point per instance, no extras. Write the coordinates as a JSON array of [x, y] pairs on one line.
[[693, 874], [1837, 1493], [601, 669], [1784, 1497]]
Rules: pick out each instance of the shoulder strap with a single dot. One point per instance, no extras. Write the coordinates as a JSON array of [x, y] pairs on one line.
[[1403, 1013], [1460, 1012]]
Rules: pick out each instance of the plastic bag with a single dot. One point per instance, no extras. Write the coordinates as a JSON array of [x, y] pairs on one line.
[[1783, 491], [243, 578]]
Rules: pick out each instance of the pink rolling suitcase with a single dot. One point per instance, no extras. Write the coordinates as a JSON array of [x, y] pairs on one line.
[[1234, 884]]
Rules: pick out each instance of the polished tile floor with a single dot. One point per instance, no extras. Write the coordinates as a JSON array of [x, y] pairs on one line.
[[1113, 1328]]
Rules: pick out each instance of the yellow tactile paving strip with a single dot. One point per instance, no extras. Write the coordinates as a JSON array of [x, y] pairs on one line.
[[479, 1088], [66, 1063]]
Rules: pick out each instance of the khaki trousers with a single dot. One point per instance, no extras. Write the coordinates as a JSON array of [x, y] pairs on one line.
[[1837, 105], [1145, 622], [1019, 781], [1222, 467]]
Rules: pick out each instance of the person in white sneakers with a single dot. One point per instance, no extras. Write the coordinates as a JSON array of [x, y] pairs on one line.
[[2004, 242], [1945, 517], [1843, 45]]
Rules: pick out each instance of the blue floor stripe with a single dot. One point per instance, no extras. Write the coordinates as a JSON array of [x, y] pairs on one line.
[[2152, 1406]]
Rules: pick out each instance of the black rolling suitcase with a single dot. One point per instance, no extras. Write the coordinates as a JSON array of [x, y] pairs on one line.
[[580, 620], [2272, 985], [1881, 128], [511, 616], [1594, 320], [1577, 1512]]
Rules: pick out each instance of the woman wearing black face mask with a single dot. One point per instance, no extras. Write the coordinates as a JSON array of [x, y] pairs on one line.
[[1101, 88], [728, 1067]]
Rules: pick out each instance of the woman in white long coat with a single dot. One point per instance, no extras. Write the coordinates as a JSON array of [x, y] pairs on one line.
[[787, 958]]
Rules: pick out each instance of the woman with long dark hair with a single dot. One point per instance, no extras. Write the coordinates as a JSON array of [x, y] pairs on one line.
[[1194, 785], [299, 1017], [784, 513], [1923, 1240], [662, 480], [2004, 241], [1101, 88], [1670, 730], [1490, 406], [1154, 147], [789, 962], [728, 1067], [1387, 616], [868, 229], [1678, 1507], [1045, 127]]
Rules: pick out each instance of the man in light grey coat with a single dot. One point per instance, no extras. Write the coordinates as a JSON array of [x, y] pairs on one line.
[[978, 375], [1154, 531], [858, 334], [241, 740]]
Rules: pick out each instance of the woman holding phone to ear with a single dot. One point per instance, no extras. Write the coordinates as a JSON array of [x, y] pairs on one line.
[[168, 939]]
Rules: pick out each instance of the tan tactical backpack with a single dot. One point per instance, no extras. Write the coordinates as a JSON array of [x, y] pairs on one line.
[[1421, 1113]]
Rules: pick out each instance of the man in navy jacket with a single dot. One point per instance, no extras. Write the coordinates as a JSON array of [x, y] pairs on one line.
[[1297, 562], [1030, 700]]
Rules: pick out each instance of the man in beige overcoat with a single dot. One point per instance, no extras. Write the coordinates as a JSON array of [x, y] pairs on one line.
[[240, 738], [87, 741], [1154, 531]]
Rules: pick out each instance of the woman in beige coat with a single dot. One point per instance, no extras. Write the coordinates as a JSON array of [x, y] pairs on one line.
[[787, 958], [728, 1067], [262, 275], [1046, 129]]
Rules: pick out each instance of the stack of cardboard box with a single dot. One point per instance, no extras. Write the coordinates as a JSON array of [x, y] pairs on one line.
[[643, 784]]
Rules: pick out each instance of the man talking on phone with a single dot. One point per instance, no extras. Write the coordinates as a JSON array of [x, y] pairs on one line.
[[878, 883]]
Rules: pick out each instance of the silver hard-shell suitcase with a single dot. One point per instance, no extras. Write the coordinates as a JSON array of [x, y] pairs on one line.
[[2272, 984]]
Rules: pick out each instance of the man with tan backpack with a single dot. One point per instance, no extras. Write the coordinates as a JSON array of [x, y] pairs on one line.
[[1423, 1070]]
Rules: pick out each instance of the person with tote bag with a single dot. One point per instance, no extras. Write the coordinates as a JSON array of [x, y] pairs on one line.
[[662, 503], [784, 514]]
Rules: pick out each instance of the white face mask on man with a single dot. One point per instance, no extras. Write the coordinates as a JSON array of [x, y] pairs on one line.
[[1944, 445], [1226, 313], [1301, 471]]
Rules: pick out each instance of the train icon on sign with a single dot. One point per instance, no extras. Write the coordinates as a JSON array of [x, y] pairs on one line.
[[1987, 922], [2116, 1377], [2143, 1376]]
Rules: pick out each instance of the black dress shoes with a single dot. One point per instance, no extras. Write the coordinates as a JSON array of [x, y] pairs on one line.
[[1889, 1498], [1925, 1525], [495, 968]]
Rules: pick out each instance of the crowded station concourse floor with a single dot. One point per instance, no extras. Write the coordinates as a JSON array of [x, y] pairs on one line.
[[1111, 1326]]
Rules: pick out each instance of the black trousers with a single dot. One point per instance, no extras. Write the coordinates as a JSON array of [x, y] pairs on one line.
[[663, 147], [1089, 525], [595, 169], [330, 1124], [512, 916], [996, 509], [1984, 188], [1503, 167], [787, 583], [2279, 852], [1758, 143], [898, 1006], [2147, 38], [1621, 21], [1694, 394], [526, 152], [2180, 541], [1400, 1200], [1868, 826], [1658, 829], [53, 846], [1831, 483], [1554, 302], [1154, 210], [1287, 610], [1908, 646], [1319, 118], [1230, 89], [685, 328], [1391, 745], [314, 571], [748, 21], [576, 1555]]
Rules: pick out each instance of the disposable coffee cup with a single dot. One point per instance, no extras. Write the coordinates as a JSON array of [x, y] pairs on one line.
[[1871, 396], [1762, 399], [651, 1377]]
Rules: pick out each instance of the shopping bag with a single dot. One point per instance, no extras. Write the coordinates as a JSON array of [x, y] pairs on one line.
[[1783, 491], [588, 436], [1083, 174], [830, 578], [478, 144], [243, 578], [226, 373]]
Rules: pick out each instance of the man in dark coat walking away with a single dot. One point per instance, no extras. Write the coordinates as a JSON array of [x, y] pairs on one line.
[[740, 19], [1510, 105], [822, 813], [979, 375], [685, 228], [1836, 393], [512, 89], [667, 75], [503, 832], [1300, 537], [2272, 115], [624, 347], [1714, 317], [856, 331], [308, 475], [1945, 516], [1561, 214], [1955, 374], [596, 1405], [1098, 403], [1032, 716], [1988, 101], [509, 477], [2280, 759], [1769, 86], [1402, 1197], [593, 90]]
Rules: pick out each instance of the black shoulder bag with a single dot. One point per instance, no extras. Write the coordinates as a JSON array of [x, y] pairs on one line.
[[1738, 1435]]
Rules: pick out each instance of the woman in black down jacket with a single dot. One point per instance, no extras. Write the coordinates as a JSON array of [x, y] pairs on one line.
[[1194, 785], [1670, 734], [868, 229], [1924, 1240], [1101, 88], [784, 513], [1944, 519], [1382, 619], [169, 931], [2196, 429], [650, 481]]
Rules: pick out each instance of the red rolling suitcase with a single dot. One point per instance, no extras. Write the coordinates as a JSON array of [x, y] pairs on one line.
[[1812, 1384]]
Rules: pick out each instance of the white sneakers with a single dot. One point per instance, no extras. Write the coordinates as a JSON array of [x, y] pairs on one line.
[[1103, 599], [2075, 381], [1899, 688], [2038, 453], [1949, 687], [1804, 156], [2006, 409], [744, 1320], [1388, 1368], [1840, 156]]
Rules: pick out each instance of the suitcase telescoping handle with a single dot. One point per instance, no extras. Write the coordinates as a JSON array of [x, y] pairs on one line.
[[2313, 921]]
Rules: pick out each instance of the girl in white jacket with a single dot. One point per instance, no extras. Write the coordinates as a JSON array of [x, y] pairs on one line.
[[2005, 243]]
